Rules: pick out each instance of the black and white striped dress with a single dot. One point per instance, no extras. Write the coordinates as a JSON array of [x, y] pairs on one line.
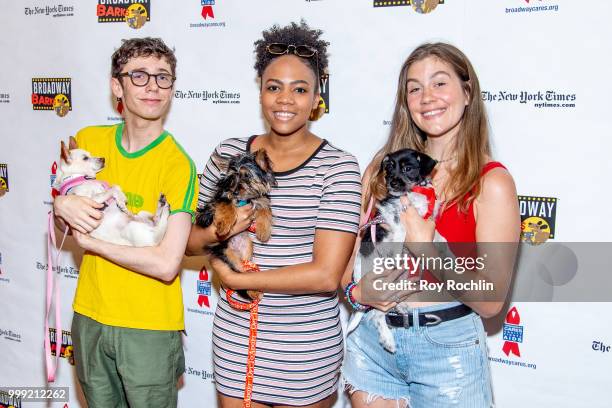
[[299, 337]]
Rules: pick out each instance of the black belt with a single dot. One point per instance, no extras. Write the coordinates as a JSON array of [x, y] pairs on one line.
[[428, 318]]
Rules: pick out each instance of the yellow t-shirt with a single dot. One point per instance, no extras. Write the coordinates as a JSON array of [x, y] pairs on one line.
[[107, 292]]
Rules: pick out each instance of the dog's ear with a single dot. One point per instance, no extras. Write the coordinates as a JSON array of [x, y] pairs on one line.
[[222, 163], [64, 153], [379, 185], [427, 164], [262, 160], [72, 143]]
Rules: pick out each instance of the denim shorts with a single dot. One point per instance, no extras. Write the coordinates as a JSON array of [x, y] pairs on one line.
[[434, 366]]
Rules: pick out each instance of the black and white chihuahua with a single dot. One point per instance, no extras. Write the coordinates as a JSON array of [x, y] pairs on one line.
[[405, 173]]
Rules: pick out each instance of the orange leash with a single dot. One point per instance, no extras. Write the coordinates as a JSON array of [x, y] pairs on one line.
[[248, 266]]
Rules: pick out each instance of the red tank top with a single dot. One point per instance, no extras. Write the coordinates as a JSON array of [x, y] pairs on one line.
[[457, 226]]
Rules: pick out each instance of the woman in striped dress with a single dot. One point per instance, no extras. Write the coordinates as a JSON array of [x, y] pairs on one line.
[[315, 208]]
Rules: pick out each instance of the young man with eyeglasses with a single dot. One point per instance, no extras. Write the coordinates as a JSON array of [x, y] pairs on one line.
[[128, 303]]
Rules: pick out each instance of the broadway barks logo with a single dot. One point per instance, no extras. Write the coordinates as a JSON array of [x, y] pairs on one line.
[[324, 100], [66, 350], [420, 6], [538, 218], [513, 333], [52, 94], [133, 12], [5, 98], [4, 179], [9, 401]]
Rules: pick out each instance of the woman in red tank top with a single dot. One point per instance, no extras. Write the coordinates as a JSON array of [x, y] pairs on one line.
[[441, 357]]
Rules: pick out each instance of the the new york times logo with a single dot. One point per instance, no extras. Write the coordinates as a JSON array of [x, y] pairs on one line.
[[10, 335], [539, 99], [9, 401], [216, 97], [600, 346], [52, 94], [58, 10], [68, 271], [133, 12], [202, 374]]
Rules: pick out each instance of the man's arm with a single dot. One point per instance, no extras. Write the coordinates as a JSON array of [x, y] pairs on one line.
[[161, 262]]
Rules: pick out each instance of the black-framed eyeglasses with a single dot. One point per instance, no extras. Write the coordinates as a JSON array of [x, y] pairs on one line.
[[141, 78]]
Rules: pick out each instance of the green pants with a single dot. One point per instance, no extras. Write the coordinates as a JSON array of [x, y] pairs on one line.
[[121, 367]]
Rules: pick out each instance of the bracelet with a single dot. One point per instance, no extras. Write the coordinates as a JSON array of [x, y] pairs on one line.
[[348, 292]]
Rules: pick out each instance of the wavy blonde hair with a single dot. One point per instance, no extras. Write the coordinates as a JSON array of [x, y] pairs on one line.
[[471, 144]]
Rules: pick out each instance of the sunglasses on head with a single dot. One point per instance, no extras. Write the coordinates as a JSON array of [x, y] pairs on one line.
[[300, 50]]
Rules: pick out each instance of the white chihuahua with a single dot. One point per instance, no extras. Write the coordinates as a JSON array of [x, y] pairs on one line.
[[77, 175]]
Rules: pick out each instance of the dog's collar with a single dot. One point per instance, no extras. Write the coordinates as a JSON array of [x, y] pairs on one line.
[[243, 202], [71, 182], [430, 194]]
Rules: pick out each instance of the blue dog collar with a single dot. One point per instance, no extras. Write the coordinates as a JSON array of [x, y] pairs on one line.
[[241, 203]]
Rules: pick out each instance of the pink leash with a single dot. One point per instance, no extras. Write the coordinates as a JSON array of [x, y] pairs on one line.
[[366, 217], [51, 282]]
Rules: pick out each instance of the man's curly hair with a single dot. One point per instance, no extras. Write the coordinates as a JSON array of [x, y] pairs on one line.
[[296, 34], [141, 47]]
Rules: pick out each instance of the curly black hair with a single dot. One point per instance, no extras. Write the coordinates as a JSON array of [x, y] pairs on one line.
[[296, 34]]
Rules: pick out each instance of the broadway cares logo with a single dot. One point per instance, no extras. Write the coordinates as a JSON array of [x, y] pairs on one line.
[[420, 6], [134, 12], [532, 6], [539, 99], [513, 336], [221, 96], [59, 10], [207, 12]]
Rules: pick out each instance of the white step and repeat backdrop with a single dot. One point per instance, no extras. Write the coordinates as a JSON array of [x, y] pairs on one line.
[[543, 66]]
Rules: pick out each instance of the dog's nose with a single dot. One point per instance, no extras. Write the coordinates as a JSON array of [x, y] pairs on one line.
[[396, 184], [102, 161]]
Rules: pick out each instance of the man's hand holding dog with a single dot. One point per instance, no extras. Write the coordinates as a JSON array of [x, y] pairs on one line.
[[80, 213]]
